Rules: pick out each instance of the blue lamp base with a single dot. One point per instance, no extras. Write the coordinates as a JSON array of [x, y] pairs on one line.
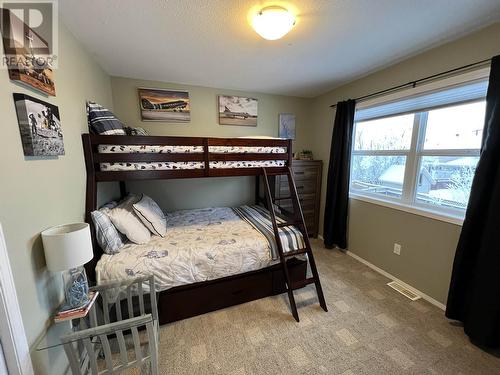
[[76, 287]]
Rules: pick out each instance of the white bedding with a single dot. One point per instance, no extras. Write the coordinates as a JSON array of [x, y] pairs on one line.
[[149, 166], [190, 149], [170, 166], [200, 245]]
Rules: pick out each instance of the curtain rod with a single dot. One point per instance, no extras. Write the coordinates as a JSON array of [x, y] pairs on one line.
[[414, 83]]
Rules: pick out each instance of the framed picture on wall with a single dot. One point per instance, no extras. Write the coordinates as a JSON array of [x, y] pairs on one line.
[[40, 126], [164, 105], [26, 54], [237, 110], [287, 125]]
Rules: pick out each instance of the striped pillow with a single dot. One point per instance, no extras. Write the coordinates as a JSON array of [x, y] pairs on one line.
[[108, 238], [102, 121]]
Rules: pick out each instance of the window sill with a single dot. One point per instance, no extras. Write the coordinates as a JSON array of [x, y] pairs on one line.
[[456, 220]]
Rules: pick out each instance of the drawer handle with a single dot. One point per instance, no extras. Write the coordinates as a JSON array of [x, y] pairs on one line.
[[299, 172], [300, 187]]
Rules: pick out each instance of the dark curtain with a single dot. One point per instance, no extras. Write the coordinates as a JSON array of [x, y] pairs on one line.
[[337, 189], [474, 296]]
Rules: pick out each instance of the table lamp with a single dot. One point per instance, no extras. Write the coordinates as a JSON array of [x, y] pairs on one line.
[[67, 248]]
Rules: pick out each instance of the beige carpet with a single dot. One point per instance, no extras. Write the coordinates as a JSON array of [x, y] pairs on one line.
[[369, 329]]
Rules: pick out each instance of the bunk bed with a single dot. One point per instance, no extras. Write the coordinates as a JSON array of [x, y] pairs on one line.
[[126, 158]]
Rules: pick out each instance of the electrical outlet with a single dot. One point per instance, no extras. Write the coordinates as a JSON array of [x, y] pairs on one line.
[[397, 249]]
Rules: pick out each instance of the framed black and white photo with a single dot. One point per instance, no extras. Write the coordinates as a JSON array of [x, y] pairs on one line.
[[39, 125], [237, 110], [164, 105], [287, 125]]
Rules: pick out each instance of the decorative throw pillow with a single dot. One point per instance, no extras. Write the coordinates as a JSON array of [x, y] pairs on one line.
[[108, 238], [151, 215], [102, 121], [127, 222]]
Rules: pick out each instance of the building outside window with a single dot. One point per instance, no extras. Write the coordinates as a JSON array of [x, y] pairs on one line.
[[423, 157]]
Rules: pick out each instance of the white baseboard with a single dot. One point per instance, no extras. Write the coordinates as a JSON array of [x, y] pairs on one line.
[[389, 276]]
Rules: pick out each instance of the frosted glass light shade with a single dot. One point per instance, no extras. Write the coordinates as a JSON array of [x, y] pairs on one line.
[[273, 22], [67, 246]]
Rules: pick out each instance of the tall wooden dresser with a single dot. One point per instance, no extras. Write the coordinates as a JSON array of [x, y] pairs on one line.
[[307, 176]]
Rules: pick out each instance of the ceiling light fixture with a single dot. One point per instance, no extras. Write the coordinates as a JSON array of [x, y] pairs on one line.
[[273, 22]]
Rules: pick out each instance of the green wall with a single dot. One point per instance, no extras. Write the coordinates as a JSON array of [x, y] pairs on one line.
[[39, 192], [185, 194], [428, 245]]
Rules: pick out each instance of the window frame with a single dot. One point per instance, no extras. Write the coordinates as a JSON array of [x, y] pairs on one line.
[[414, 155]]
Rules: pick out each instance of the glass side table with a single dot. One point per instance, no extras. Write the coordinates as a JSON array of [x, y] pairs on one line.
[[52, 336]]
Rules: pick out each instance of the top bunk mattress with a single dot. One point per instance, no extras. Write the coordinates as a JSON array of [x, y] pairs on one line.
[[200, 245], [175, 165]]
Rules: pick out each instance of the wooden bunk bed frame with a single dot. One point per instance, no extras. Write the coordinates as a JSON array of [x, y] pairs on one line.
[[193, 299]]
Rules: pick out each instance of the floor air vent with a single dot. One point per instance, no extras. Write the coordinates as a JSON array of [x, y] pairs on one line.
[[404, 291]]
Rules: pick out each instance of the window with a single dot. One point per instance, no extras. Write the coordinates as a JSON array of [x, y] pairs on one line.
[[424, 159]]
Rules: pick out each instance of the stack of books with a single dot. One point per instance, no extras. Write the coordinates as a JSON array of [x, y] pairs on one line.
[[66, 313]]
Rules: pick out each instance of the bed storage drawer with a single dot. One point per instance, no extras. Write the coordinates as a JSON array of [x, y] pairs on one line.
[[195, 299]]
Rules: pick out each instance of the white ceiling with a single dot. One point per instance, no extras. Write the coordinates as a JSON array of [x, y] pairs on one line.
[[210, 43]]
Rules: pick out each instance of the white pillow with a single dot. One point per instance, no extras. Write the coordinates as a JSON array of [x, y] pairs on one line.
[[151, 215], [124, 219]]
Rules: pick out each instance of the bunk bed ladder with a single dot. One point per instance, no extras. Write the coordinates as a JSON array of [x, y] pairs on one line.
[[298, 221]]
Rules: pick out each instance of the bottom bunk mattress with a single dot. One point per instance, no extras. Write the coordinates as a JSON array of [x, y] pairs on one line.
[[201, 245]]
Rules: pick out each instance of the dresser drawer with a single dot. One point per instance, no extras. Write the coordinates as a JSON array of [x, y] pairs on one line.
[[305, 173], [307, 177], [303, 187], [306, 204], [310, 221]]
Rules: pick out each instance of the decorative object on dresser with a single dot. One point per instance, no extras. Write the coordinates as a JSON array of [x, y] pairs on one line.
[[27, 54], [307, 176], [237, 110], [40, 126], [164, 105], [287, 125], [305, 155], [67, 248]]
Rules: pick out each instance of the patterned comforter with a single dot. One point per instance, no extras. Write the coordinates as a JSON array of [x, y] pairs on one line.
[[191, 164], [200, 245]]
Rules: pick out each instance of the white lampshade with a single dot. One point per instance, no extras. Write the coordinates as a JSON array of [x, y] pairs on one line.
[[67, 246]]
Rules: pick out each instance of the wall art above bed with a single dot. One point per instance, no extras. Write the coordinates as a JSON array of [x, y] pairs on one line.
[[287, 126], [40, 126], [164, 105], [237, 110]]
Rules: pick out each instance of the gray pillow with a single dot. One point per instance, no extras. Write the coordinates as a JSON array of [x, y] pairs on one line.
[[151, 215], [108, 238]]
